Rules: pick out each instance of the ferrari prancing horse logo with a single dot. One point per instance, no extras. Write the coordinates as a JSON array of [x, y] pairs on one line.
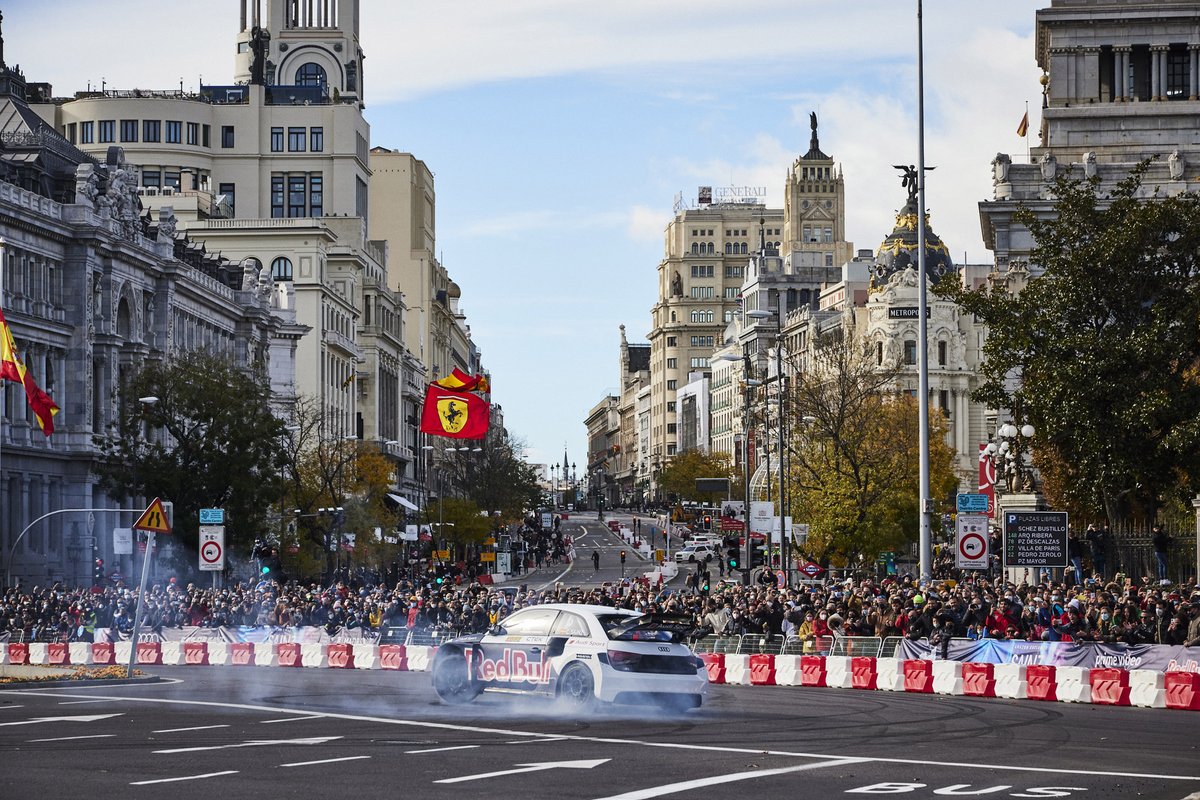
[[452, 414]]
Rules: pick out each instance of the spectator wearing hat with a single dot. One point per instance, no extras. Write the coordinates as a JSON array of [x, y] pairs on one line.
[[1076, 627]]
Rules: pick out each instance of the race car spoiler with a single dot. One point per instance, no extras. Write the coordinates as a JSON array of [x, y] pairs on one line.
[[654, 628]]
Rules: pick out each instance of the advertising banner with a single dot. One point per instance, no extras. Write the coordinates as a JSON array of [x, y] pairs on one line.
[[1158, 657]]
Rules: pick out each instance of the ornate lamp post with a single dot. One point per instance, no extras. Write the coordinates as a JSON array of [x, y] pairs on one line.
[[1007, 454]]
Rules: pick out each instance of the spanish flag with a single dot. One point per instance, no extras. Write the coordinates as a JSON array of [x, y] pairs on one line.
[[1023, 128], [455, 415], [459, 381], [13, 369]]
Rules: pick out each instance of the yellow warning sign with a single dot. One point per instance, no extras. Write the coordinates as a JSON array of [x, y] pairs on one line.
[[153, 519]]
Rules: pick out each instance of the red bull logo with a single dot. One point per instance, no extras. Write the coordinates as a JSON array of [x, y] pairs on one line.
[[513, 666]]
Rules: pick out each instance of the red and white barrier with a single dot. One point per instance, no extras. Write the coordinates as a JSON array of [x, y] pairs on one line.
[[1147, 688], [264, 654], [1183, 690], [195, 653], [762, 669], [1110, 687], [393, 656], [80, 652], [714, 663], [947, 677], [149, 653], [889, 674], [979, 679], [218, 653], [1040, 682], [862, 672], [787, 670], [241, 654], [420, 658], [288, 654], [313, 654], [1012, 681], [812, 670], [1074, 684], [103, 653], [122, 651], [918, 676], [737, 669], [340, 656], [838, 672]]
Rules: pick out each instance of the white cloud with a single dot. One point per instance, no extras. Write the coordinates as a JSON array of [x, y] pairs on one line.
[[646, 224]]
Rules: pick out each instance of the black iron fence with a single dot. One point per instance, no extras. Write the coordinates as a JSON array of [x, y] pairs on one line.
[[1131, 553]]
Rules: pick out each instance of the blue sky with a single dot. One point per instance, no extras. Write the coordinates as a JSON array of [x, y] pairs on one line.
[[559, 133]]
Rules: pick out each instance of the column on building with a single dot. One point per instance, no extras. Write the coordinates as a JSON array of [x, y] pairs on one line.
[[1193, 71], [1121, 68]]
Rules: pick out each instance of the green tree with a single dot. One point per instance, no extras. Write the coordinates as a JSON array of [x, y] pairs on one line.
[[495, 476], [854, 469], [679, 476], [210, 440], [1106, 342]]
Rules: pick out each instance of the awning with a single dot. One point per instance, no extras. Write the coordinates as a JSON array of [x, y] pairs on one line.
[[404, 502]]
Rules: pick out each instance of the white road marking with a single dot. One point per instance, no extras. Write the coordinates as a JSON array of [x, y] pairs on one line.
[[82, 702], [538, 767], [537, 741], [197, 728], [289, 719], [36, 720], [3, 708], [186, 778], [700, 783], [446, 726], [441, 749], [73, 738], [255, 743], [323, 761]]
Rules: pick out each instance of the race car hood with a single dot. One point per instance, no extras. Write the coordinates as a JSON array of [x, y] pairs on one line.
[[654, 628]]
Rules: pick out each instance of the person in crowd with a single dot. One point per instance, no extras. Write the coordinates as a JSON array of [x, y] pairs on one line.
[[1097, 539], [1160, 540]]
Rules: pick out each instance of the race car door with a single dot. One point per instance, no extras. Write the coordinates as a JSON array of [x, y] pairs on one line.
[[517, 656]]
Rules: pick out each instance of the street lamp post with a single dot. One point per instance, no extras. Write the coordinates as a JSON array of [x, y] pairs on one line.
[[781, 395], [1007, 456]]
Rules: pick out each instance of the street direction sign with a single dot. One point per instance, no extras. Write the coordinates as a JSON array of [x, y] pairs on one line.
[[154, 519], [970, 503], [212, 516], [971, 540], [212, 548], [1035, 539]]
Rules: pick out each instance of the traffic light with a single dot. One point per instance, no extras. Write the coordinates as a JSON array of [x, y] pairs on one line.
[[707, 522], [758, 553], [622, 556], [734, 558], [98, 571]]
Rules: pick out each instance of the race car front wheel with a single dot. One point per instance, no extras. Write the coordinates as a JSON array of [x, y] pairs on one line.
[[576, 687], [451, 680]]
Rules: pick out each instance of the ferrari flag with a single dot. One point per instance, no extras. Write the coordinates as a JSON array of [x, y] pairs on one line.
[[12, 369], [459, 381], [456, 415]]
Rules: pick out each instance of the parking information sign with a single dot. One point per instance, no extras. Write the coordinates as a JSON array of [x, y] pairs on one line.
[[1035, 539], [971, 542]]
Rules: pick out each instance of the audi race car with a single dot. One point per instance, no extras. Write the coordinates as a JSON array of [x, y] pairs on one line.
[[579, 654]]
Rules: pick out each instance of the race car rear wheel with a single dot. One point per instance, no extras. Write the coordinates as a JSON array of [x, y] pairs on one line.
[[451, 680], [576, 687]]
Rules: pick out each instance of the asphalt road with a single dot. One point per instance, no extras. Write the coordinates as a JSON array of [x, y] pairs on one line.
[[267, 732]]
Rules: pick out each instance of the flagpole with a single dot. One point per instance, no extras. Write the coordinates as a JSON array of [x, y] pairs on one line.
[[1028, 151]]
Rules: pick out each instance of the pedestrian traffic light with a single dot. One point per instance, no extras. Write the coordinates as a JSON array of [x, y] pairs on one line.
[[734, 559], [758, 554], [98, 571]]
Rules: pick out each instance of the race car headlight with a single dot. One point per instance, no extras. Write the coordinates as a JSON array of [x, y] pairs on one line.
[[622, 660]]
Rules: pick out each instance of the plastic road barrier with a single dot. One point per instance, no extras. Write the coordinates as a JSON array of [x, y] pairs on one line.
[[366, 656], [715, 664], [313, 654], [37, 652], [393, 656], [172, 653], [218, 653], [103, 653], [947, 677], [121, 651], [979, 679], [1147, 688], [81, 652], [18, 653], [737, 669], [762, 669], [812, 670], [1012, 681], [1074, 684], [420, 657], [341, 656], [149, 653], [889, 674], [862, 672], [195, 653], [58, 653], [1040, 682], [1183, 690], [838, 673], [1110, 687], [288, 654], [241, 654], [787, 670], [918, 676], [264, 654]]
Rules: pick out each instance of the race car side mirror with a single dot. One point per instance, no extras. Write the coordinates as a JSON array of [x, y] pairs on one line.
[[497, 630]]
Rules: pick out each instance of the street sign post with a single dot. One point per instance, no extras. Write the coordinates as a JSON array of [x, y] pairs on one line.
[[212, 550], [971, 540], [212, 516], [1035, 539], [971, 503], [152, 521]]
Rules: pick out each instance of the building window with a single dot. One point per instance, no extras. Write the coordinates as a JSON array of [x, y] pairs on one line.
[[316, 195], [672, 363], [226, 190], [226, 136], [316, 139], [702, 315], [670, 341], [828, 235], [731, 292], [941, 354], [276, 196], [276, 140], [151, 130], [281, 269], [296, 196], [311, 74], [702, 341], [296, 140], [671, 385], [69, 132], [829, 259], [703, 292], [129, 130], [699, 363], [174, 131], [728, 316], [702, 271], [879, 353], [85, 132], [151, 177], [910, 352], [944, 402], [193, 133], [108, 130], [733, 272], [670, 427], [171, 178], [671, 407], [206, 136]]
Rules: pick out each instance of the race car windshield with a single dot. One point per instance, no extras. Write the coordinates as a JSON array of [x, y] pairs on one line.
[[647, 628]]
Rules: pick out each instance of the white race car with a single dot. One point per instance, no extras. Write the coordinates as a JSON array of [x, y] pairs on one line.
[[580, 654]]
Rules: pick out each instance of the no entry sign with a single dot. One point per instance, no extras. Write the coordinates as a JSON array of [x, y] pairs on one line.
[[971, 541]]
